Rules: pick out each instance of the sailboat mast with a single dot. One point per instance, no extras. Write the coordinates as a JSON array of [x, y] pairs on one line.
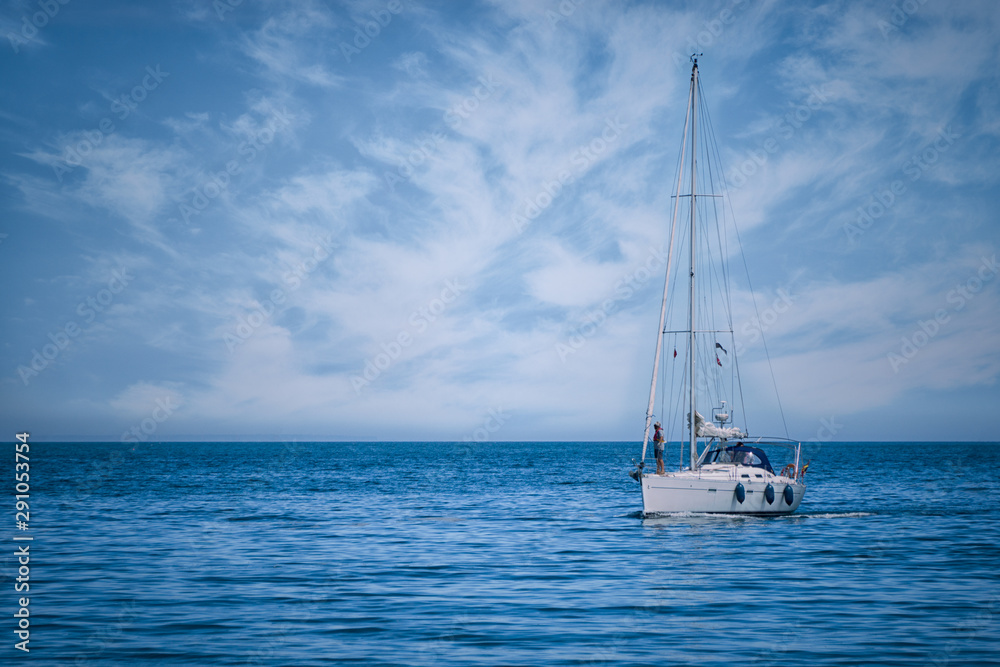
[[666, 290], [692, 429]]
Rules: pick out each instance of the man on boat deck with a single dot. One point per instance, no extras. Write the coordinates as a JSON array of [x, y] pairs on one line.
[[658, 449]]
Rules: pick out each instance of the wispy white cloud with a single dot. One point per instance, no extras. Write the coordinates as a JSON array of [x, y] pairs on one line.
[[278, 46]]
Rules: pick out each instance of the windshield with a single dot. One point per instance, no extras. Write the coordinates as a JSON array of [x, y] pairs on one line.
[[741, 454]]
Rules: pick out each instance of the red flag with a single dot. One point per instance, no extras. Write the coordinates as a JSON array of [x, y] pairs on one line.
[[675, 354], [717, 360]]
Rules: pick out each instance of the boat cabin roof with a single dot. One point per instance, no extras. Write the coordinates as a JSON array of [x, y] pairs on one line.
[[741, 454]]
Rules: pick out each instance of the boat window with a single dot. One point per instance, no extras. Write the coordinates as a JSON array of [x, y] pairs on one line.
[[750, 456], [740, 454], [720, 456]]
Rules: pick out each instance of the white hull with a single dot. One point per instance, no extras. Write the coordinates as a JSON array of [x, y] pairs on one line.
[[712, 489]]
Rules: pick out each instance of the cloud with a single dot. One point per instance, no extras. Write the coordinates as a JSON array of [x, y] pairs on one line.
[[140, 399], [853, 346], [132, 179], [413, 63], [279, 46]]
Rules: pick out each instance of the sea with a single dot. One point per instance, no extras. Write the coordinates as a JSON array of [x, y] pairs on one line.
[[496, 553]]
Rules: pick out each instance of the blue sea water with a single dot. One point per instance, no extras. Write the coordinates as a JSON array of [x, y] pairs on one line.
[[499, 554]]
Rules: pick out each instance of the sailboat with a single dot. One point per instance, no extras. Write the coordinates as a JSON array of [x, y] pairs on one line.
[[722, 468]]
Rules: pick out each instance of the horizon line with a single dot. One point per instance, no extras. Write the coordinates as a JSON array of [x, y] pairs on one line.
[[319, 439]]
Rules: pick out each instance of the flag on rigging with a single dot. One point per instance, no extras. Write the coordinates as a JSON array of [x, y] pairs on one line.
[[721, 348], [717, 360], [675, 353]]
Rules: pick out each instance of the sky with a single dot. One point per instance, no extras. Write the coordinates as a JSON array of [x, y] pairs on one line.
[[403, 220]]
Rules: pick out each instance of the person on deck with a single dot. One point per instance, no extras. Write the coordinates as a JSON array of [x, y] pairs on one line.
[[658, 449]]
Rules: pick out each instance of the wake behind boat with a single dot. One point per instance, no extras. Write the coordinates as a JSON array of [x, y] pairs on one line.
[[732, 473]]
